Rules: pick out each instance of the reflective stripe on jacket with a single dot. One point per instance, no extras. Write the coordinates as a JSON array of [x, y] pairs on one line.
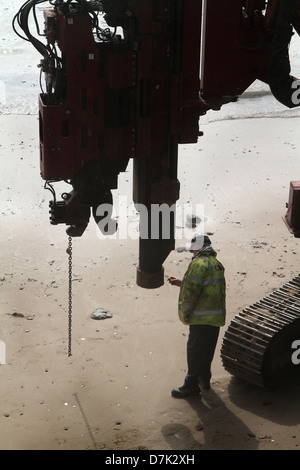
[[203, 290]]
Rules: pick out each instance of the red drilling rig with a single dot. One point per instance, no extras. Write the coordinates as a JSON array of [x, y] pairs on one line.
[[129, 79]]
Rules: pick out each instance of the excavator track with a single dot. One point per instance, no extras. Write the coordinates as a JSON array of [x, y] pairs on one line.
[[257, 346]]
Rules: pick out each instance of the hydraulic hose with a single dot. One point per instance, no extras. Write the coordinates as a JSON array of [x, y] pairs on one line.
[[281, 82]]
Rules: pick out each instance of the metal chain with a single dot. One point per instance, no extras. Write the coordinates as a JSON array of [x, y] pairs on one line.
[[69, 251]]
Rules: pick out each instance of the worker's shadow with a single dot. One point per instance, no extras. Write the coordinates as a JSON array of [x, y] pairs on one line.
[[280, 406], [223, 429], [217, 428]]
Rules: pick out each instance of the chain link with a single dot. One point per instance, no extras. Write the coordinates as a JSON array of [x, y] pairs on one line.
[[69, 251]]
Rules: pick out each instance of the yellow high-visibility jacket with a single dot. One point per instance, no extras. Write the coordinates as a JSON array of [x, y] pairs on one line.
[[203, 290]]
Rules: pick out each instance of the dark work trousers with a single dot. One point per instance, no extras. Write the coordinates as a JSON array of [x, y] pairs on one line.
[[201, 347]]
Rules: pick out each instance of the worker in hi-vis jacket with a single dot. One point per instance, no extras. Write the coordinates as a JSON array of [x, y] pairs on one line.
[[201, 306]]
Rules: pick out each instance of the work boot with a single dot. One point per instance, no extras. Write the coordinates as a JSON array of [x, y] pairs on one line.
[[204, 384], [184, 391]]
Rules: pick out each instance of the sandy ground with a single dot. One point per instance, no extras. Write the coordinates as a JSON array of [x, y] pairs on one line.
[[114, 391]]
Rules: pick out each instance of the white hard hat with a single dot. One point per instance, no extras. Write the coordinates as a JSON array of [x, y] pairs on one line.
[[198, 241]]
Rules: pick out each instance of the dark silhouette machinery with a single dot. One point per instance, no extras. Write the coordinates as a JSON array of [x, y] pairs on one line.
[[129, 79]]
